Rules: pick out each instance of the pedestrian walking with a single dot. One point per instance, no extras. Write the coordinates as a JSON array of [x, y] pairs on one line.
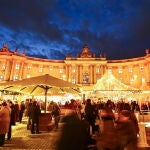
[[74, 134], [107, 139], [126, 131]]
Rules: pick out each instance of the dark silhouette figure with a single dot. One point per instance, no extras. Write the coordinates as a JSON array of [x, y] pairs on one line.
[[90, 115], [127, 131], [12, 119], [21, 111], [56, 114], [35, 114], [74, 134]]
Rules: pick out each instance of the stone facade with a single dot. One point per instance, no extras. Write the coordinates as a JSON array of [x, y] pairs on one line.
[[85, 69]]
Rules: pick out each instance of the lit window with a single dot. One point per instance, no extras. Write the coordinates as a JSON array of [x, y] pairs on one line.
[[17, 66], [135, 76], [1, 77], [120, 70], [130, 70], [51, 68], [74, 80], [97, 78], [3, 66], [28, 75], [40, 69], [86, 78], [60, 70], [73, 70], [141, 68], [143, 80], [29, 67], [64, 77], [109, 70], [131, 80], [97, 70], [120, 79], [16, 77]]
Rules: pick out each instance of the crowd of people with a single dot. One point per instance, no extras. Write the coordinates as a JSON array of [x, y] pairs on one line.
[[111, 133], [86, 123]]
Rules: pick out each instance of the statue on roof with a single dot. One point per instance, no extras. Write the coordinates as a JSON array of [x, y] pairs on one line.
[[5, 48], [85, 52], [147, 51], [5, 45], [16, 50], [23, 52]]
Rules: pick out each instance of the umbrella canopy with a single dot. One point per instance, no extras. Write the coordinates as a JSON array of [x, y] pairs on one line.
[[41, 85], [45, 80]]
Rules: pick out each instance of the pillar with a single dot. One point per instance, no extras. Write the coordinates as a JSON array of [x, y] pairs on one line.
[[142, 142], [12, 70]]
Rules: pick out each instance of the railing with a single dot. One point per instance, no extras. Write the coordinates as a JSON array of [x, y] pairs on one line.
[[145, 115]]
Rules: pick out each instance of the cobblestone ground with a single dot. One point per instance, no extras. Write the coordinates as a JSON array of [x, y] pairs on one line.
[[22, 139]]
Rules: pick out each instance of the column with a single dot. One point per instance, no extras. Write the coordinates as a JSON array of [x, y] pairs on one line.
[[76, 74], [70, 73], [24, 71], [81, 74], [91, 74], [94, 74], [21, 70], [67, 72], [142, 141], [12, 70], [7, 71]]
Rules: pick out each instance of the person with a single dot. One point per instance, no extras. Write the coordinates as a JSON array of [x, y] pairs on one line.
[[12, 119], [126, 131], [21, 111], [16, 111], [74, 134], [56, 114], [28, 114], [89, 115], [107, 139], [35, 114], [4, 122]]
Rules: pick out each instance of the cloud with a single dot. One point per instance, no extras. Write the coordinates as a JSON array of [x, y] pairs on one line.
[[53, 28]]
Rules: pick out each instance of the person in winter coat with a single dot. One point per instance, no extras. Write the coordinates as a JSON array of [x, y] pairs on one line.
[[74, 134], [35, 114], [90, 115], [4, 122], [127, 131], [107, 139], [21, 111], [12, 119], [56, 114]]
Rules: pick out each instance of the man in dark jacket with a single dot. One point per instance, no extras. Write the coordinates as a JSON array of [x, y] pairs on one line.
[[35, 114], [12, 119], [90, 115], [74, 135]]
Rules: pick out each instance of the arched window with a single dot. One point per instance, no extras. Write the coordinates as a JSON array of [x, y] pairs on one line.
[[85, 78]]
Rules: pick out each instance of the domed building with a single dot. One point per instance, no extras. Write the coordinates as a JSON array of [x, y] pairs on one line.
[[85, 70]]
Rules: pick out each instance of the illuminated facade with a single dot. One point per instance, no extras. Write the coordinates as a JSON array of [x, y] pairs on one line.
[[85, 69]]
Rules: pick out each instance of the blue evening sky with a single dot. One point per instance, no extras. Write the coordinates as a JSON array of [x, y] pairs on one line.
[[54, 28]]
